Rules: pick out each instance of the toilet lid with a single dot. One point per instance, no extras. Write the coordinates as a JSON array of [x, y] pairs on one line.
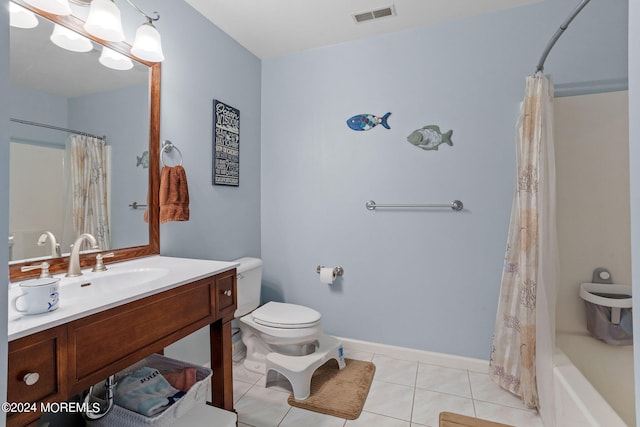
[[287, 316]]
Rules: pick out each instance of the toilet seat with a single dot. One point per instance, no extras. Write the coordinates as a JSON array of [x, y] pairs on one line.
[[286, 316]]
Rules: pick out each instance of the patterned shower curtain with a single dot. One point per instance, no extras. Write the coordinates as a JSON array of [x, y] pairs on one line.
[[524, 337], [88, 185]]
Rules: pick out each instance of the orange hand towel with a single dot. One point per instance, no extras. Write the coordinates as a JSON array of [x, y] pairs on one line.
[[174, 194]]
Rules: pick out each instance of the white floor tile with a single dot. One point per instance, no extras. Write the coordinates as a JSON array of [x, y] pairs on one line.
[[484, 389], [297, 417], [262, 407], [239, 389], [507, 415], [403, 394], [427, 406], [240, 373], [395, 371], [445, 380], [367, 419], [358, 355], [392, 400], [276, 381]]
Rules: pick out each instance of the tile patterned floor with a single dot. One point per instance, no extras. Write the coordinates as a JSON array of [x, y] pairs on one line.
[[403, 394]]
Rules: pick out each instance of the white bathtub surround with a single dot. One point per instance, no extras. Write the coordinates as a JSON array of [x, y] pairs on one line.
[[579, 404], [594, 235], [523, 342], [608, 368]]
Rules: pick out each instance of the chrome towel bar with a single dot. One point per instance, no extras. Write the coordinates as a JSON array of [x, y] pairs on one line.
[[456, 205], [136, 205]]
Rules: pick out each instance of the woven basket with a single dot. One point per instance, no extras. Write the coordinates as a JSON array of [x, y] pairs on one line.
[[197, 394]]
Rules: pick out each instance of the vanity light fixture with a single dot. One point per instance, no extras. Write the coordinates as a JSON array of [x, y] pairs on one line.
[[115, 60], [104, 22], [148, 44], [20, 17], [70, 40], [57, 7]]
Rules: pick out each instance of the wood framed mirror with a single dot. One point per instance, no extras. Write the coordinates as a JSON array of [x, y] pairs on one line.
[[148, 244]]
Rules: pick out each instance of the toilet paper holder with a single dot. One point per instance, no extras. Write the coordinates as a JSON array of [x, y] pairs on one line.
[[337, 271]]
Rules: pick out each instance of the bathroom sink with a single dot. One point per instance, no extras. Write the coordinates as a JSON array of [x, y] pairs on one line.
[[109, 282]]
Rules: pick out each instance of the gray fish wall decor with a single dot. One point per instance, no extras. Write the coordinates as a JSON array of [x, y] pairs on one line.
[[430, 137], [143, 160]]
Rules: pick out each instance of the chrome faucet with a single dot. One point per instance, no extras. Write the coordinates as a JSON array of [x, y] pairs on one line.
[[74, 258]]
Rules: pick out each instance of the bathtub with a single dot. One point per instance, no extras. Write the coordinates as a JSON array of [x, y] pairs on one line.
[[578, 403]]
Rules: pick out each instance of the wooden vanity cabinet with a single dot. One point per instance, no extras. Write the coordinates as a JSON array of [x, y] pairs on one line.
[[109, 341], [42, 354], [72, 357]]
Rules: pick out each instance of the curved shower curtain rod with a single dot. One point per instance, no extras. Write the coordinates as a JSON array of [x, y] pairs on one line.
[[558, 33]]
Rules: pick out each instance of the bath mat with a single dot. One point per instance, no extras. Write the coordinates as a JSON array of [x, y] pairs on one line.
[[336, 392], [449, 419]]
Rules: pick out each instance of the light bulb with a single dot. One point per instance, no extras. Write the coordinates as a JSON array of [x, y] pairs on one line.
[[70, 40], [104, 21], [148, 44], [115, 60], [21, 17]]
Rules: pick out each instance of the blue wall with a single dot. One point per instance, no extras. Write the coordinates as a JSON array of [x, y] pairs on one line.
[[420, 279], [4, 194], [203, 63], [124, 113], [37, 106]]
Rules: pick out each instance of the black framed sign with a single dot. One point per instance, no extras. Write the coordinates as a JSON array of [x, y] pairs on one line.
[[226, 144]]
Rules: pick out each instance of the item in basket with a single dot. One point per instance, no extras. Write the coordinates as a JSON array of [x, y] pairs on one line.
[[146, 392], [182, 380]]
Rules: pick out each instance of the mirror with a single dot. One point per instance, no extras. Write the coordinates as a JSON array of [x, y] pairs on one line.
[[57, 98]]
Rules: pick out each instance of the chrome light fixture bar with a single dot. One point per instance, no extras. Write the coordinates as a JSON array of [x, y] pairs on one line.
[[104, 22]]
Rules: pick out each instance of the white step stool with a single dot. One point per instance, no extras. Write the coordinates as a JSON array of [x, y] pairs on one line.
[[299, 369]]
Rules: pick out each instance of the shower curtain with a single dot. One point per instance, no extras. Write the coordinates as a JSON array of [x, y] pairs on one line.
[[88, 188], [524, 336]]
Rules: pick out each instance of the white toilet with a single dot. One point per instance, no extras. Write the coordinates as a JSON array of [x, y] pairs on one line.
[[281, 337]]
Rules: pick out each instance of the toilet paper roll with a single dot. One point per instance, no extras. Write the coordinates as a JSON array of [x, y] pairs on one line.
[[326, 275]]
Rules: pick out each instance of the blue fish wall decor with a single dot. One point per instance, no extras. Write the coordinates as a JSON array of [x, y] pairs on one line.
[[368, 121], [430, 137]]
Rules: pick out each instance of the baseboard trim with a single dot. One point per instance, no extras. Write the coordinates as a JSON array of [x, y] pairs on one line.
[[404, 353]]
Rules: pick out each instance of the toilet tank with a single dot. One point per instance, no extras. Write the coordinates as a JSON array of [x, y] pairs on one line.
[[249, 283]]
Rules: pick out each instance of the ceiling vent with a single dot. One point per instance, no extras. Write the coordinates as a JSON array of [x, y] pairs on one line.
[[375, 14]]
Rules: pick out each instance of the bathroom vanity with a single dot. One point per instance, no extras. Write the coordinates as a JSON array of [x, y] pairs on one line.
[[133, 310]]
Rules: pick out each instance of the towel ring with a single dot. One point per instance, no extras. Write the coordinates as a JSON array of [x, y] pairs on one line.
[[167, 146]]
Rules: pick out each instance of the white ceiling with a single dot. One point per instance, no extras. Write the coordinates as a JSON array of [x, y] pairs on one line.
[[270, 28]]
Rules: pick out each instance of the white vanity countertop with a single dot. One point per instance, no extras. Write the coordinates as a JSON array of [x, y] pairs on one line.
[[175, 272]]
